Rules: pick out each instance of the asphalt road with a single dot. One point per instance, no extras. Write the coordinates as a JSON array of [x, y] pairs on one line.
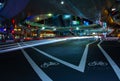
[[69, 60]]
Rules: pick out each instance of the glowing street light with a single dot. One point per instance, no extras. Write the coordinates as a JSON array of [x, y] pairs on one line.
[[43, 28], [54, 29], [77, 28], [38, 18], [62, 2], [49, 15], [67, 16], [113, 9]]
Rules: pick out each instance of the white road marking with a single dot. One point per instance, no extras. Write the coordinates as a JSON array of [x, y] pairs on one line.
[[112, 63], [81, 66], [58, 60], [36, 68], [84, 58]]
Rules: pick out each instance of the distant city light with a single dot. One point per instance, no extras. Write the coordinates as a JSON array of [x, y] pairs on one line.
[[43, 28], [1, 3], [93, 33], [49, 14], [62, 2], [13, 32], [113, 9], [66, 16], [4, 29], [13, 21], [75, 22], [86, 23], [54, 29], [77, 28], [38, 18], [104, 24]]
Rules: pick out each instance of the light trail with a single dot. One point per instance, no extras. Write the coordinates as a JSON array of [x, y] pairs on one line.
[[6, 45], [13, 47]]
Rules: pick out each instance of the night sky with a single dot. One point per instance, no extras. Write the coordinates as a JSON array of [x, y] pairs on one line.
[[83, 8]]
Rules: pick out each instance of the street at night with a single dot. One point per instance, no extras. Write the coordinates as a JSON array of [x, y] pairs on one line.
[[59, 40], [78, 59]]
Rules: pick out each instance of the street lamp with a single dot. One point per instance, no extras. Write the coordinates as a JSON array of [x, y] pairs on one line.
[[77, 28], [62, 2], [38, 18], [49, 15]]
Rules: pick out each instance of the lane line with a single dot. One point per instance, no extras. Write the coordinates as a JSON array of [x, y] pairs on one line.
[[80, 68], [58, 60], [8, 50], [35, 67], [112, 63], [82, 63]]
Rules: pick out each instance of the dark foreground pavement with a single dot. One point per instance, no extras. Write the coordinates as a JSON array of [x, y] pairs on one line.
[[62, 61]]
